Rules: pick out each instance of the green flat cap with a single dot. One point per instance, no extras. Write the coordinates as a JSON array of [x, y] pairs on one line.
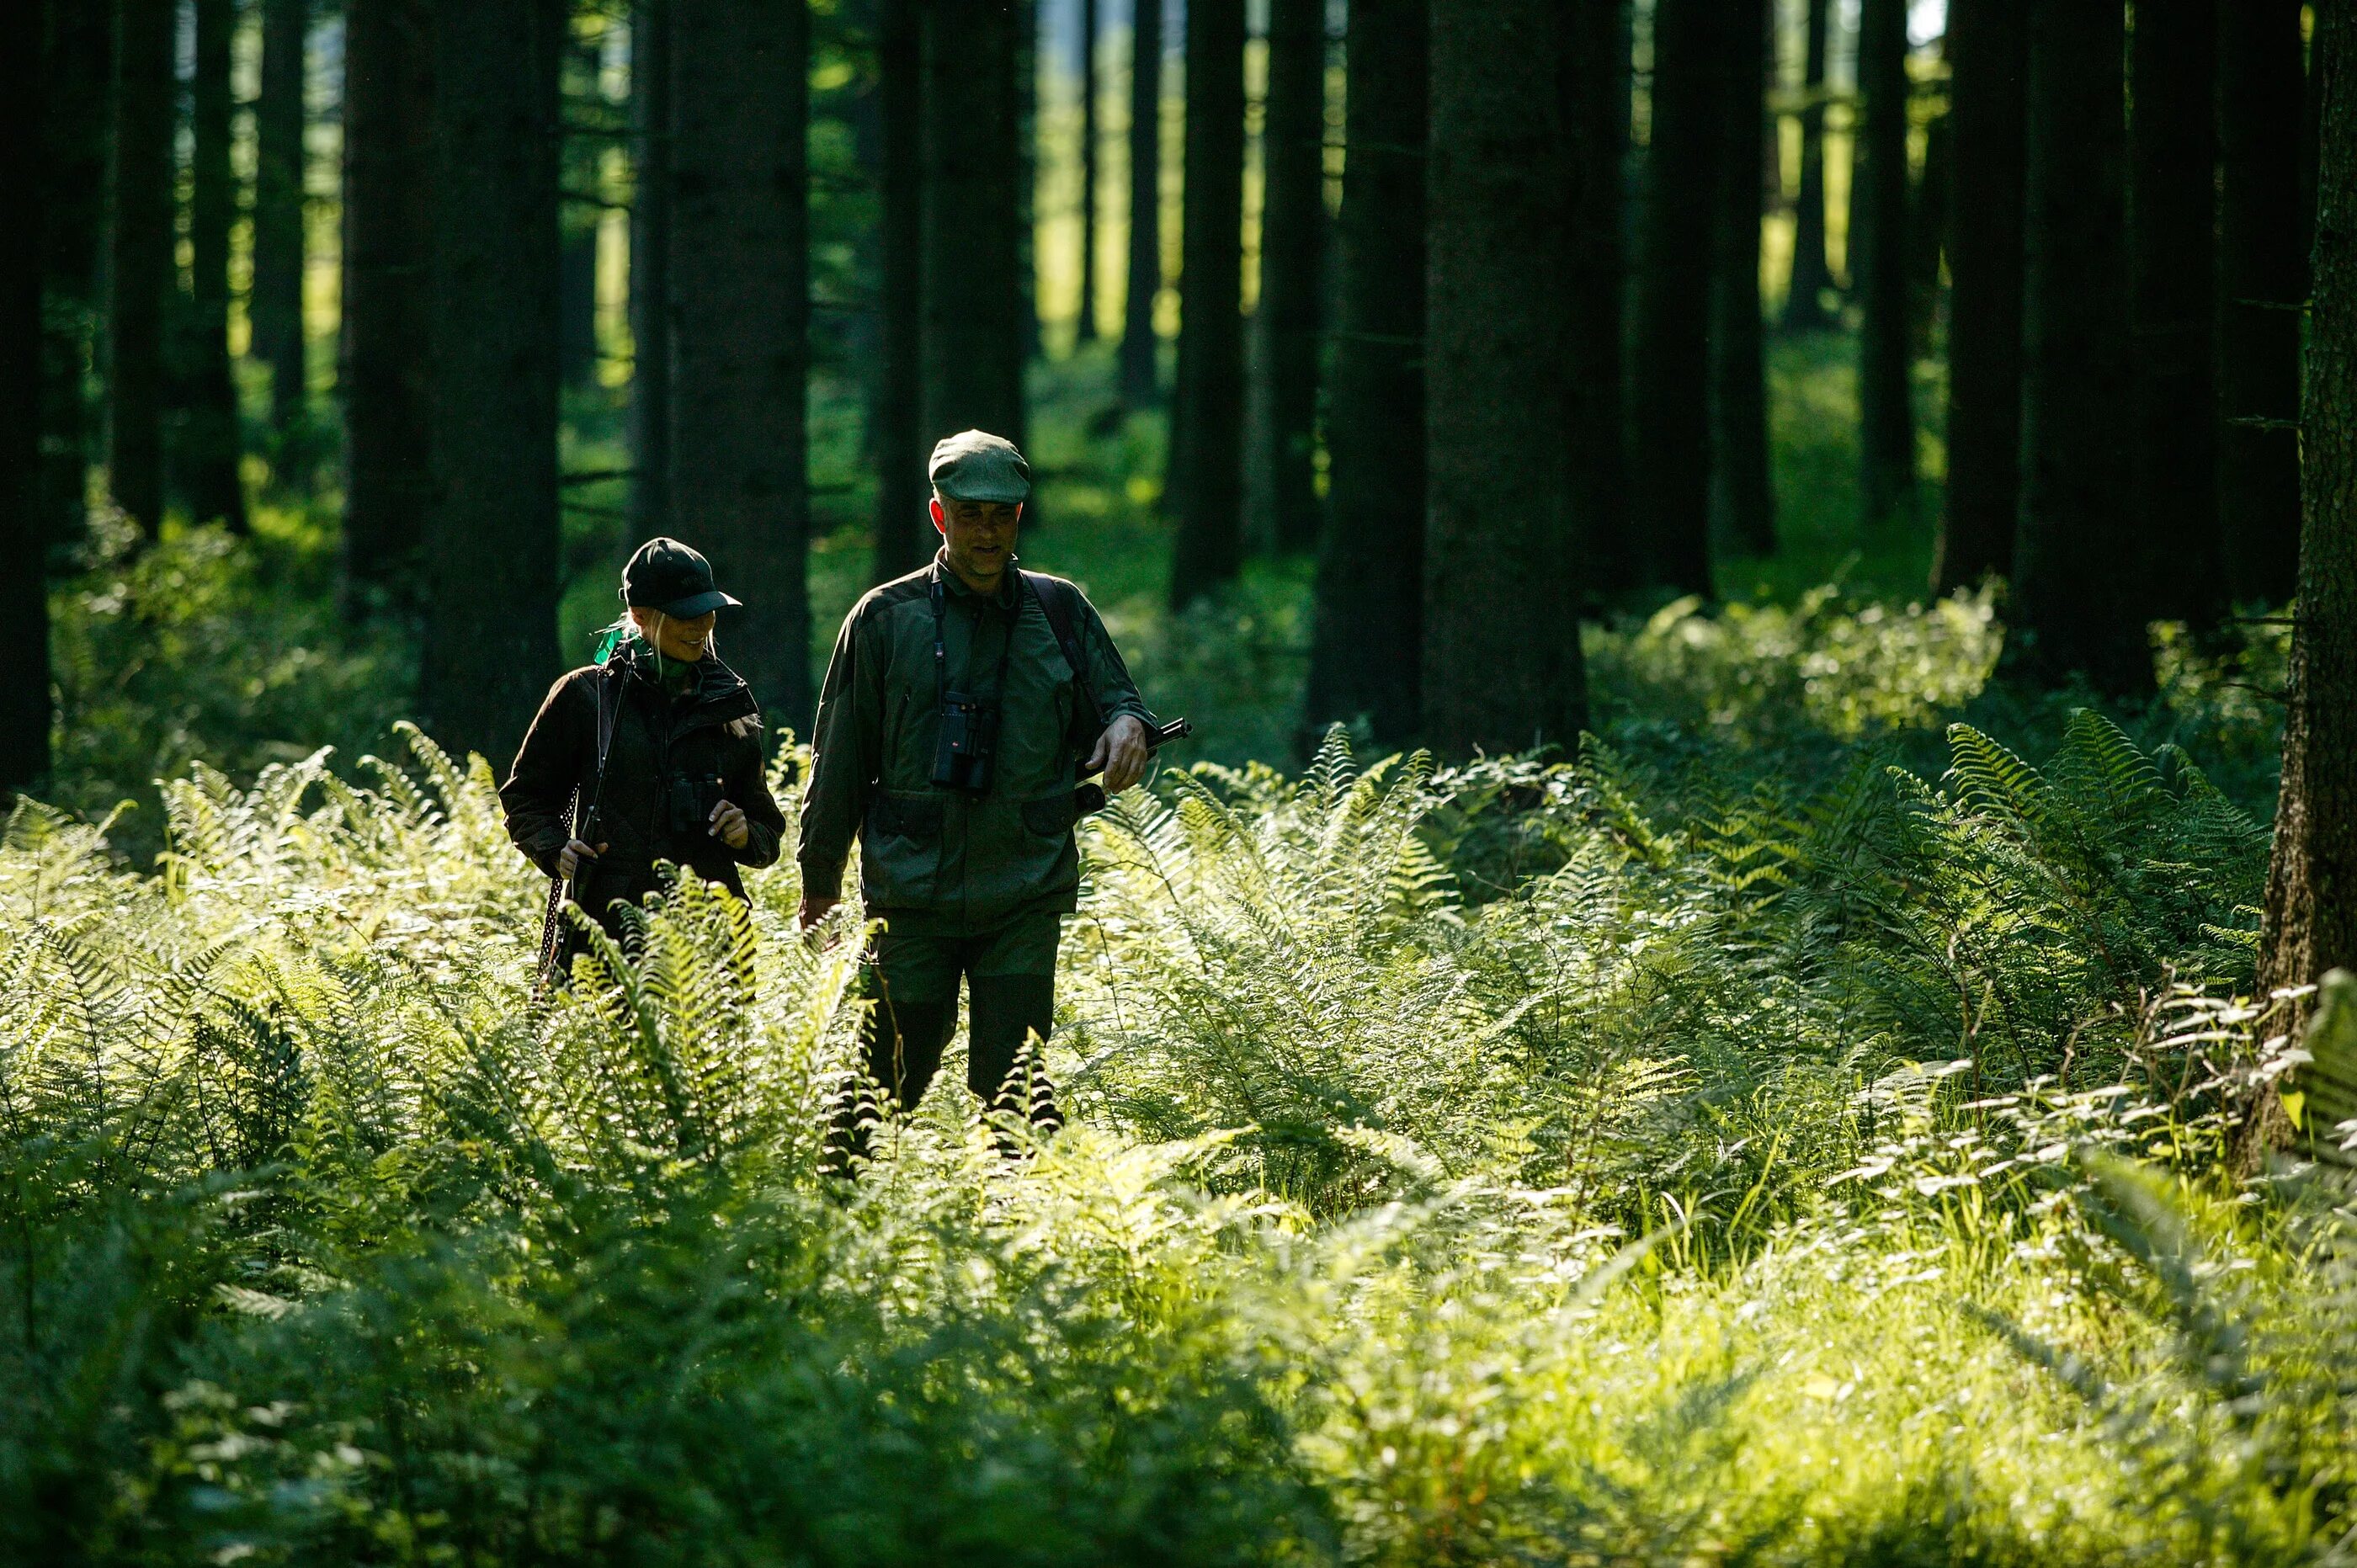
[[975, 466]]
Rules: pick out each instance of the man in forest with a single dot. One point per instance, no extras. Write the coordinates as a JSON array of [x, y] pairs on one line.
[[958, 703]]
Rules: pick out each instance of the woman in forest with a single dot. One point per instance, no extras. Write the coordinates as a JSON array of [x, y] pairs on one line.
[[652, 754]]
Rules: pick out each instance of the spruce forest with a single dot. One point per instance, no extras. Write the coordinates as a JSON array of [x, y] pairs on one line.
[[1752, 958]]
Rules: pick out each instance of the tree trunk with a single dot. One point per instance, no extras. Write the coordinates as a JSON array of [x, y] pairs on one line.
[[577, 266], [1365, 659], [1886, 370], [971, 175], [77, 63], [2310, 921], [1743, 498], [741, 357], [2262, 282], [1988, 55], [1931, 198], [275, 302], [24, 710], [491, 535], [1207, 437], [1595, 92], [210, 445], [389, 217], [2173, 258], [2076, 599], [1027, 179], [1293, 264], [1671, 387], [1084, 328], [1812, 275], [650, 121], [903, 535], [1501, 657], [1140, 380], [139, 257]]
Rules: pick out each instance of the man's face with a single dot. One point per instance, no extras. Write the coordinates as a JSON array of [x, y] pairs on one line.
[[980, 535]]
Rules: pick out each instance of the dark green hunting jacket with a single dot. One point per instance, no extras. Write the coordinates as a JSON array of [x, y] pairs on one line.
[[938, 858], [711, 730]]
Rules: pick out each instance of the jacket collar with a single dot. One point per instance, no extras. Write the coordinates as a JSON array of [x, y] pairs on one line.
[[716, 684], [1010, 582]]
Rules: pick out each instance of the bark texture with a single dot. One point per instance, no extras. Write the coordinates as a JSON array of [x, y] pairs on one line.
[[974, 311], [1886, 389], [2076, 599], [1989, 57], [1670, 385], [209, 447], [77, 66], [1206, 436], [739, 347], [1140, 380], [490, 553], [24, 535], [2262, 282], [1743, 501], [1293, 264], [139, 257], [1812, 275], [2310, 923], [276, 303], [651, 512], [1366, 653], [389, 220], [2173, 257], [1501, 656], [1594, 72], [903, 534]]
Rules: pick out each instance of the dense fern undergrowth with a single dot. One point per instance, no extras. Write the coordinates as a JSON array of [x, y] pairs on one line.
[[1789, 1131]]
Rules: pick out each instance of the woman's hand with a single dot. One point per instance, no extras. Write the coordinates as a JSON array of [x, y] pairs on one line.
[[1122, 754], [729, 825], [569, 858]]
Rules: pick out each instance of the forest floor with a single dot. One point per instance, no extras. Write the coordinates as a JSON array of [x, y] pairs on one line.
[[1789, 1131]]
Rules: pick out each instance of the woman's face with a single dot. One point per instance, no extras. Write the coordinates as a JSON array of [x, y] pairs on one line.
[[685, 640]]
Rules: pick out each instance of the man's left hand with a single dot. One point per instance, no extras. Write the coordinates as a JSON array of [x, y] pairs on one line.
[[1121, 752], [729, 825]]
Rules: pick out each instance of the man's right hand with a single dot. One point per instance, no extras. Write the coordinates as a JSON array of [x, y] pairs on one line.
[[817, 908], [569, 858]]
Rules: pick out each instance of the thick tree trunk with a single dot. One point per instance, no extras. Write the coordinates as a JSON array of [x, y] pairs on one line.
[[1670, 385], [2262, 282], [1812, 275], [2310, 923], [1207, 440], [139, 257], [24, 532], [1885, 386], [1085, 326], [1988, 55], [210, 446], [2077, 609], [974, 305], [77, 64], [577, 267], [741, 357], [1365, 660], [903, 534], [1501, 657], [389, 217], [491, 535], [1594, 69], [1293, 264], [1140, 380], [651, 268], [275, 303], [1743, 499], [2173, 255]]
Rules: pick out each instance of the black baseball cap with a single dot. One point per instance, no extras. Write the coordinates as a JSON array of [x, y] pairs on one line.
[[669, 576]]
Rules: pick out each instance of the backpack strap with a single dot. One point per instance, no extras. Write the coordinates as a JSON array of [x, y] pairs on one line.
[[1060, 602]]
